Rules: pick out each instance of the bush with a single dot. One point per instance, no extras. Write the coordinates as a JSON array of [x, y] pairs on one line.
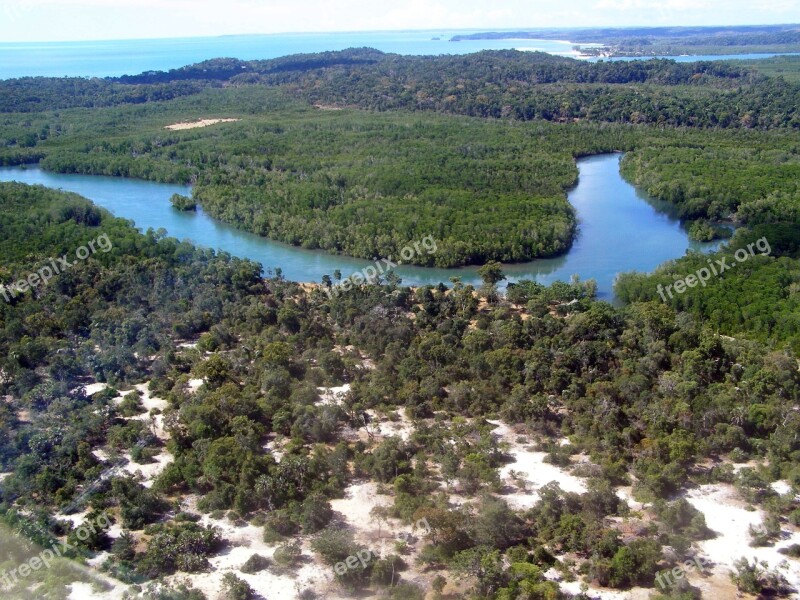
[[288, 554], [315, 514], [234, 588], [254, 564], [182, 202]]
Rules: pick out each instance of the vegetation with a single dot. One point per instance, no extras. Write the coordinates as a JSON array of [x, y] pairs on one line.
[[648, 394], [183, 202]]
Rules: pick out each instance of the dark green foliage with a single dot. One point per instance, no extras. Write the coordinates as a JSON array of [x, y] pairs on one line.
[[234, 588], [254, 564], [183, 202], [178, 547]]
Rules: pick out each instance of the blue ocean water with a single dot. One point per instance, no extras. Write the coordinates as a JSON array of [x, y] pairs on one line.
[[130, 57]]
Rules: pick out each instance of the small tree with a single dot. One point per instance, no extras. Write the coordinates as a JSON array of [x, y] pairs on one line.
[[234, 588], [491, 273]]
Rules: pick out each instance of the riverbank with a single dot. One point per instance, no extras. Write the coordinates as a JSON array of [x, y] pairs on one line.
[[608, 209]]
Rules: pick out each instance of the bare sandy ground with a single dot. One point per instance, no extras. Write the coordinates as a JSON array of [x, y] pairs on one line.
[[198, 123], [729, 517], [532, 469]]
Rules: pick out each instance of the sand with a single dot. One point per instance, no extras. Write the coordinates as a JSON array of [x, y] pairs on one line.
[[532, 469], [333, 395], [246, 541], [727, 515], [93, 388], [198, 123]]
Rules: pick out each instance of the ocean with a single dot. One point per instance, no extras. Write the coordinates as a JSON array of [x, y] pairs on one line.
[[130, 57]]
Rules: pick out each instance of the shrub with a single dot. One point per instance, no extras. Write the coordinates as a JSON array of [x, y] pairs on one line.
[[254, 564]]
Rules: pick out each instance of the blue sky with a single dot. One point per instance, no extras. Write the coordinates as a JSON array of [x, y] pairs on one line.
[[56, 20]]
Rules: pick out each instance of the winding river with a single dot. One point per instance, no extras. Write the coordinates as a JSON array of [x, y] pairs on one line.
[[619, 229]]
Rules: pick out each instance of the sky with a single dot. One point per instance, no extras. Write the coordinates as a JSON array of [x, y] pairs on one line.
[[62, 20]]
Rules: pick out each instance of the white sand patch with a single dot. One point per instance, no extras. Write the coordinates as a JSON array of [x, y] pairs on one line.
[[115, 530], [574, 587], [626, 495], [782, 487], [356, 509], [403, 428], [149, 403], [274, 447], [100, 454], [93, 388], [194, 384], [81, 590], [728, 516], [75, 519], [98, 560], [198, 123], [244, 542], [187, 345], [532, 470], [148, 471], [333, 395], [4, 475]]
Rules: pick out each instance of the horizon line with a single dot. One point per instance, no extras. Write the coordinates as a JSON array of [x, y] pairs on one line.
[[404, 29]]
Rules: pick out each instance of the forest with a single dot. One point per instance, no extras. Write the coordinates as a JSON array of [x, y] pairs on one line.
[[542, 358], [341, 180], [184, 394]]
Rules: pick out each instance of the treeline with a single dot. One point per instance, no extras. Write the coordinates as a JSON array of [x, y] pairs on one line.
[[748, 179], [757, 298], [366, 184], [34, 94], [496, 84]]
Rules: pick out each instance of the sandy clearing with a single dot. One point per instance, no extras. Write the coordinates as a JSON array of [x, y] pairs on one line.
[[149, 403], [80, 590], [385, 427], [76, 519], [782, 487], [93, 388], [532, 469], [148, 471], [356, 509], [574, 587], [198, 123], [275, 448], [727, 515], [194, 384], [333, 395], [243, 543]]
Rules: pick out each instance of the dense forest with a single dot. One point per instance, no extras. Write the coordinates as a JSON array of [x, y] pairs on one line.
[[217, 418], [673, 394], [342, 180]]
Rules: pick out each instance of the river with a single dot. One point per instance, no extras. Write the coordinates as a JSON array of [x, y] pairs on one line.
[[619, 229]]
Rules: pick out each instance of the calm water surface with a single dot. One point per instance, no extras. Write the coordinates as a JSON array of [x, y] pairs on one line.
[[619, 231], [130, 57]]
